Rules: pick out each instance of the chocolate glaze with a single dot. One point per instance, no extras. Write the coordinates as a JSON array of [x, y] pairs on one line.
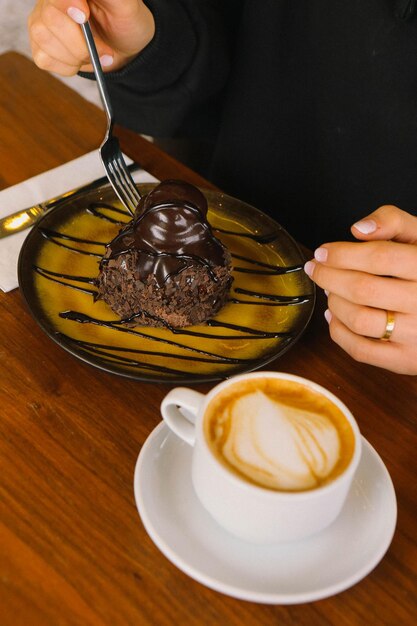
[[170, 232]]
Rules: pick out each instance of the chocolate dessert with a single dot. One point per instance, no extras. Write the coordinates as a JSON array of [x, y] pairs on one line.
[[165, 267]]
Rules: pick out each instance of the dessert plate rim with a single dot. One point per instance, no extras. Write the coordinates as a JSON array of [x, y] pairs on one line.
[[28, 291]]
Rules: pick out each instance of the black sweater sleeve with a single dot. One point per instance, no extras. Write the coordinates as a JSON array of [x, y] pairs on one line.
[[174, 86]]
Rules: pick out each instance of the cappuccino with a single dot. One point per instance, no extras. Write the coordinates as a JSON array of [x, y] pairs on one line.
[[278, 434]]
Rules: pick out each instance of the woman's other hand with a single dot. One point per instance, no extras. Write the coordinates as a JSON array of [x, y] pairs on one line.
[[367, 279]]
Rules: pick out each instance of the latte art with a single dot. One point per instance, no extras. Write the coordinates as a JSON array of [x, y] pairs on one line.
[[279, 434], [279, 446]]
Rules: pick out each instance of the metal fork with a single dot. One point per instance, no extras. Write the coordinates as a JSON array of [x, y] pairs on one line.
[[111, 156]]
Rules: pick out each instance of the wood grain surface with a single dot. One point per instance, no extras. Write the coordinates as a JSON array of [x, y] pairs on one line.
[[73, 550]]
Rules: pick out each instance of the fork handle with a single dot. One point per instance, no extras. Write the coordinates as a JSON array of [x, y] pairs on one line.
[[99, 74]]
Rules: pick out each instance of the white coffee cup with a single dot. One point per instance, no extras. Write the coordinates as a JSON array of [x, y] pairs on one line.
[[248, 510]]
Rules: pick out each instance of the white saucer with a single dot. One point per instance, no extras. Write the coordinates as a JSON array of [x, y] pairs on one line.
[[303, 571]]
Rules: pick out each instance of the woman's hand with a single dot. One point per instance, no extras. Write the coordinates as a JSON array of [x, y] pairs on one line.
[[121, 30], [364, 281]]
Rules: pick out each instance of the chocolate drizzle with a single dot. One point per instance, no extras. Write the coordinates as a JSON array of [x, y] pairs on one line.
[[247, 333], [59, 239], [111, 354]]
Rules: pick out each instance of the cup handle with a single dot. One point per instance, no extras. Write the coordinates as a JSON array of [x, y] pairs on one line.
[[182, 424]]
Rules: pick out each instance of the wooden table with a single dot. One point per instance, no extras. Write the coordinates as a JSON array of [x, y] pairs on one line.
[[72, 546]]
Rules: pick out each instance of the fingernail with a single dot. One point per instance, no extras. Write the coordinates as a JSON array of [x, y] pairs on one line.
[[366, 226], [77, 15], [326, 292], [321, 255], [328, 316], [309, 268], [106, 60]]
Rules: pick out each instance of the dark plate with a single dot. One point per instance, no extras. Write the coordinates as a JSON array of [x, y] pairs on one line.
[[271, 301]]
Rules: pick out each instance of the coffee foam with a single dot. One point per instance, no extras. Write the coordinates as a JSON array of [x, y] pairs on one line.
[[279, 436]]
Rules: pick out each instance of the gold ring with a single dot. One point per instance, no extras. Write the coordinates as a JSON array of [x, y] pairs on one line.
[[389, 326]]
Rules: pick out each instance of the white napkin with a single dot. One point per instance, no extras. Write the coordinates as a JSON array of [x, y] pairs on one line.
[[40, 188]]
